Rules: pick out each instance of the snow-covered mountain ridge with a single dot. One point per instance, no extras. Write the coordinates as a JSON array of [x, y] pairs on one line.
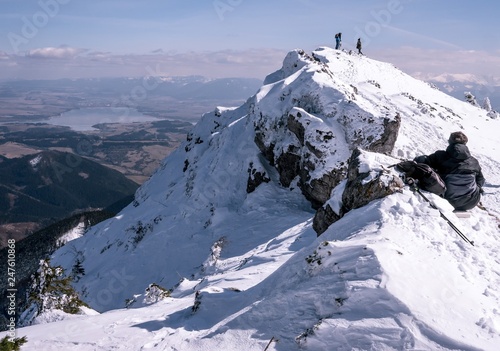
[[227, 225], [457, 85]]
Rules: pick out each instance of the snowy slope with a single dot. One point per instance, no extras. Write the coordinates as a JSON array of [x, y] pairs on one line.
[[244, 267]]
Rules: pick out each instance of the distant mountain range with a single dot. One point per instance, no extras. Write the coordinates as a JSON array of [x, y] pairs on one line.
[[189, 87], [52, 185], [457, 84]]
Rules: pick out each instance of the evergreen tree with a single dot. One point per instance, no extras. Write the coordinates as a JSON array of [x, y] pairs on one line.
[[78, 271], [487, 104], [50, 289], [8, 344]]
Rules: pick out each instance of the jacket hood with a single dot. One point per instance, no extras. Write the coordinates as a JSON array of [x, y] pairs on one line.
[[458, 151]]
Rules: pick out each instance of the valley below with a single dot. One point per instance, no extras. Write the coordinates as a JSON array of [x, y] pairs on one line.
[[104, 121]]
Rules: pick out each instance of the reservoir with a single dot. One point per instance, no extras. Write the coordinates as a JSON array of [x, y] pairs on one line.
[[83, 119]]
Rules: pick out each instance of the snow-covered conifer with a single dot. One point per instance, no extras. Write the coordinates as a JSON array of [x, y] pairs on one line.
[[50, 290]]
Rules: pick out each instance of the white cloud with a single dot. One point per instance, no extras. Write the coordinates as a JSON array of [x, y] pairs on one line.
[[427, 63], [68, 62], [63, 52]]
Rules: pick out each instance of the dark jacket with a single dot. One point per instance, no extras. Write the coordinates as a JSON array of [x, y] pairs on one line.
[[461, 173]]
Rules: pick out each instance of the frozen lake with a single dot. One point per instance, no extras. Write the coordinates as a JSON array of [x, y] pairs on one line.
[[84, 119]]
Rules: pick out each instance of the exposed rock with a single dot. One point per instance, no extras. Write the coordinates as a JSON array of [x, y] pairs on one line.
[[323, 218], [385, 144], [267, 151], [471, 99], [288, 166], [361, 188], [296, 127], [318, 191], [493, 114], [255, 178]]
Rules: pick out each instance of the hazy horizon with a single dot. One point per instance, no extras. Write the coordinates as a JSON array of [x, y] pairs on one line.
[[51, 39]]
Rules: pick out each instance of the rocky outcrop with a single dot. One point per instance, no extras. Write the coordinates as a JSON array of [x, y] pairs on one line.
[[311, 143], [364, 187], [364, 184], [288, 166], [385, 144], [324, 217], [318, 191], [255, 178], [307, 120]]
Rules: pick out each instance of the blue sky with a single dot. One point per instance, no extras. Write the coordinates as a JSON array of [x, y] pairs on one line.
[[221, 38]]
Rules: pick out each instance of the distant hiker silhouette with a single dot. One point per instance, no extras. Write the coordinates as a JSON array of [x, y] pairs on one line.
[[338, 40], [460, 171], [358, 46]]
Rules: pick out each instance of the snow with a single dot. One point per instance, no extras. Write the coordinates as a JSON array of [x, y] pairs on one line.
[[35, 161], [335, 200], [72, 234], [244, 268]]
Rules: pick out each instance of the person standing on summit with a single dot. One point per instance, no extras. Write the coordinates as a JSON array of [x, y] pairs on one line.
[[460, 171], [338, 41], [358, 46]]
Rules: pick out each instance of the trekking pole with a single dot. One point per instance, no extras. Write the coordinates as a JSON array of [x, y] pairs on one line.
[[414, 187], [270, 341]]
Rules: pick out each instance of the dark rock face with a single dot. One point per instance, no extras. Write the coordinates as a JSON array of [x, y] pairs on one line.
[[358, 192], [323, 218], [288, 166], [267, 151], [255, 178], [296, 127], [385, 144], [318, 191]]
